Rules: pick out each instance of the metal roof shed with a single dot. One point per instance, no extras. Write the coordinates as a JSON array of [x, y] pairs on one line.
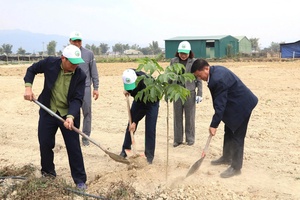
[[244, 45], [204, 46], [290, 50]]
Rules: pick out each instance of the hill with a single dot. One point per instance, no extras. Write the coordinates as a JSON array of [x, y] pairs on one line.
[[37, 42]]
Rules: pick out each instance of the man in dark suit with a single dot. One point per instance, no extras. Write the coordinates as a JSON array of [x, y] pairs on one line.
[[233, 103], [63, 92]]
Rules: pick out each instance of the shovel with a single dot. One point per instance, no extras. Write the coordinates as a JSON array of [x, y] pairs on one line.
[[197, 164], [113, 156], [133, 145]]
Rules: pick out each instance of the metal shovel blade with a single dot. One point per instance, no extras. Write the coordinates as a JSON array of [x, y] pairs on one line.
[[117, 158], [198, 163], [113, 156], [195, 167]]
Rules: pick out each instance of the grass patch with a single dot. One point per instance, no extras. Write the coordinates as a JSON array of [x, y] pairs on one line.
[[121, 190], [21, 184]]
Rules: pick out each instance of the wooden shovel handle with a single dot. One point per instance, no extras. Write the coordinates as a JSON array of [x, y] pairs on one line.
[[130, 120], [206, 146], [128, 109]]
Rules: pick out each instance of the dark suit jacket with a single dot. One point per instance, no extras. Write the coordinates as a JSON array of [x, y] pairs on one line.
[[50, 67], [232, 99]]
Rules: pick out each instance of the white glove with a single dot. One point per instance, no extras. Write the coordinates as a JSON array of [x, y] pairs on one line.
[[198, 99]]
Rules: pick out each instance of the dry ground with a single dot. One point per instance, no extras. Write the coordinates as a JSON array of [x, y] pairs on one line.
[[272, 150]]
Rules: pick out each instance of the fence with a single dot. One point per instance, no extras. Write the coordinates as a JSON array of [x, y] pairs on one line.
[[13, 59]]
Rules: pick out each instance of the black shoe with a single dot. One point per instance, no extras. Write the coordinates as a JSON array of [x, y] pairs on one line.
[[190, 143], [230, 172], [48, 175], [221, 161], [85, 142], [123, 154], [176, 144]]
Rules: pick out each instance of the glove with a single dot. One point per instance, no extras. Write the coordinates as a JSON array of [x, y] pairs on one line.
[[198, 99]]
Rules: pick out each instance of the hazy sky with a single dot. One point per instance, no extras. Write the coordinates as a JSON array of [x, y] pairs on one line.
[[143, 21]]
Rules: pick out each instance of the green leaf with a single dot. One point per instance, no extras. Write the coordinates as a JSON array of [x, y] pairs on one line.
[[167, 85]]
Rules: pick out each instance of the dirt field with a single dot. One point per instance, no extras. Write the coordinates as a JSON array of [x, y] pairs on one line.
[[272, 148]]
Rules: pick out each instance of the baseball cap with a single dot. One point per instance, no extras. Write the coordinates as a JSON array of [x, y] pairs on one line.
[[129, 78], [73, 54], [75, 35], [184, 47]]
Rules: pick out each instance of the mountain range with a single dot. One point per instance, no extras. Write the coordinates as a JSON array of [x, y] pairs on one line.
[[37, 42]]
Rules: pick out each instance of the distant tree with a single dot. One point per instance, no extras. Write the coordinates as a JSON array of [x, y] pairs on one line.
[[51, 48], [87, 46], [120, 48], [21, 51], [1, 50], [103, 48], [254, 44], [7, 48], [275, 47], [95, 49], [135, 47], [126, 46], [155, 48], [145, 50]]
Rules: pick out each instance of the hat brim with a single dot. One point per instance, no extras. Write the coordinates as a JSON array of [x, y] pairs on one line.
[[130, 86], [76, 61], [76, 38], [184, 51]]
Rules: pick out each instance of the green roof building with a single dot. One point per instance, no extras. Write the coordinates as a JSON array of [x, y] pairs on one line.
[[244, 45], [205, 46]]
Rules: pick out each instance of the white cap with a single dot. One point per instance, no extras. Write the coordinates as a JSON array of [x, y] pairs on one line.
[[129, 77], [75, 35], [73, 54], [184, 47]]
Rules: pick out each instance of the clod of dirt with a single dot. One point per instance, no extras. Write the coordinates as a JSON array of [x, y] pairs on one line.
[[137, 162]]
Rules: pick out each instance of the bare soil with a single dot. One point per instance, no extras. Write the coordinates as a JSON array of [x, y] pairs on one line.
[[272, 148]]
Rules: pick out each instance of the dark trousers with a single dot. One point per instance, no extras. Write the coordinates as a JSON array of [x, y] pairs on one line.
[[47, 129], [150, 110], [233, 145]]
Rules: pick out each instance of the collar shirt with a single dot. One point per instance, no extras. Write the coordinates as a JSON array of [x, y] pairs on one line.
[[59, 92], [208, 79]]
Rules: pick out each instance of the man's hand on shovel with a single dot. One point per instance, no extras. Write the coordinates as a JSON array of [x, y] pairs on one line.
[[132, 127], [28, 94], [203, 154], [69, 123]]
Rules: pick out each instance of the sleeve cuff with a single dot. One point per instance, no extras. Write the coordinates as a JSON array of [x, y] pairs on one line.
[[70, 116]]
